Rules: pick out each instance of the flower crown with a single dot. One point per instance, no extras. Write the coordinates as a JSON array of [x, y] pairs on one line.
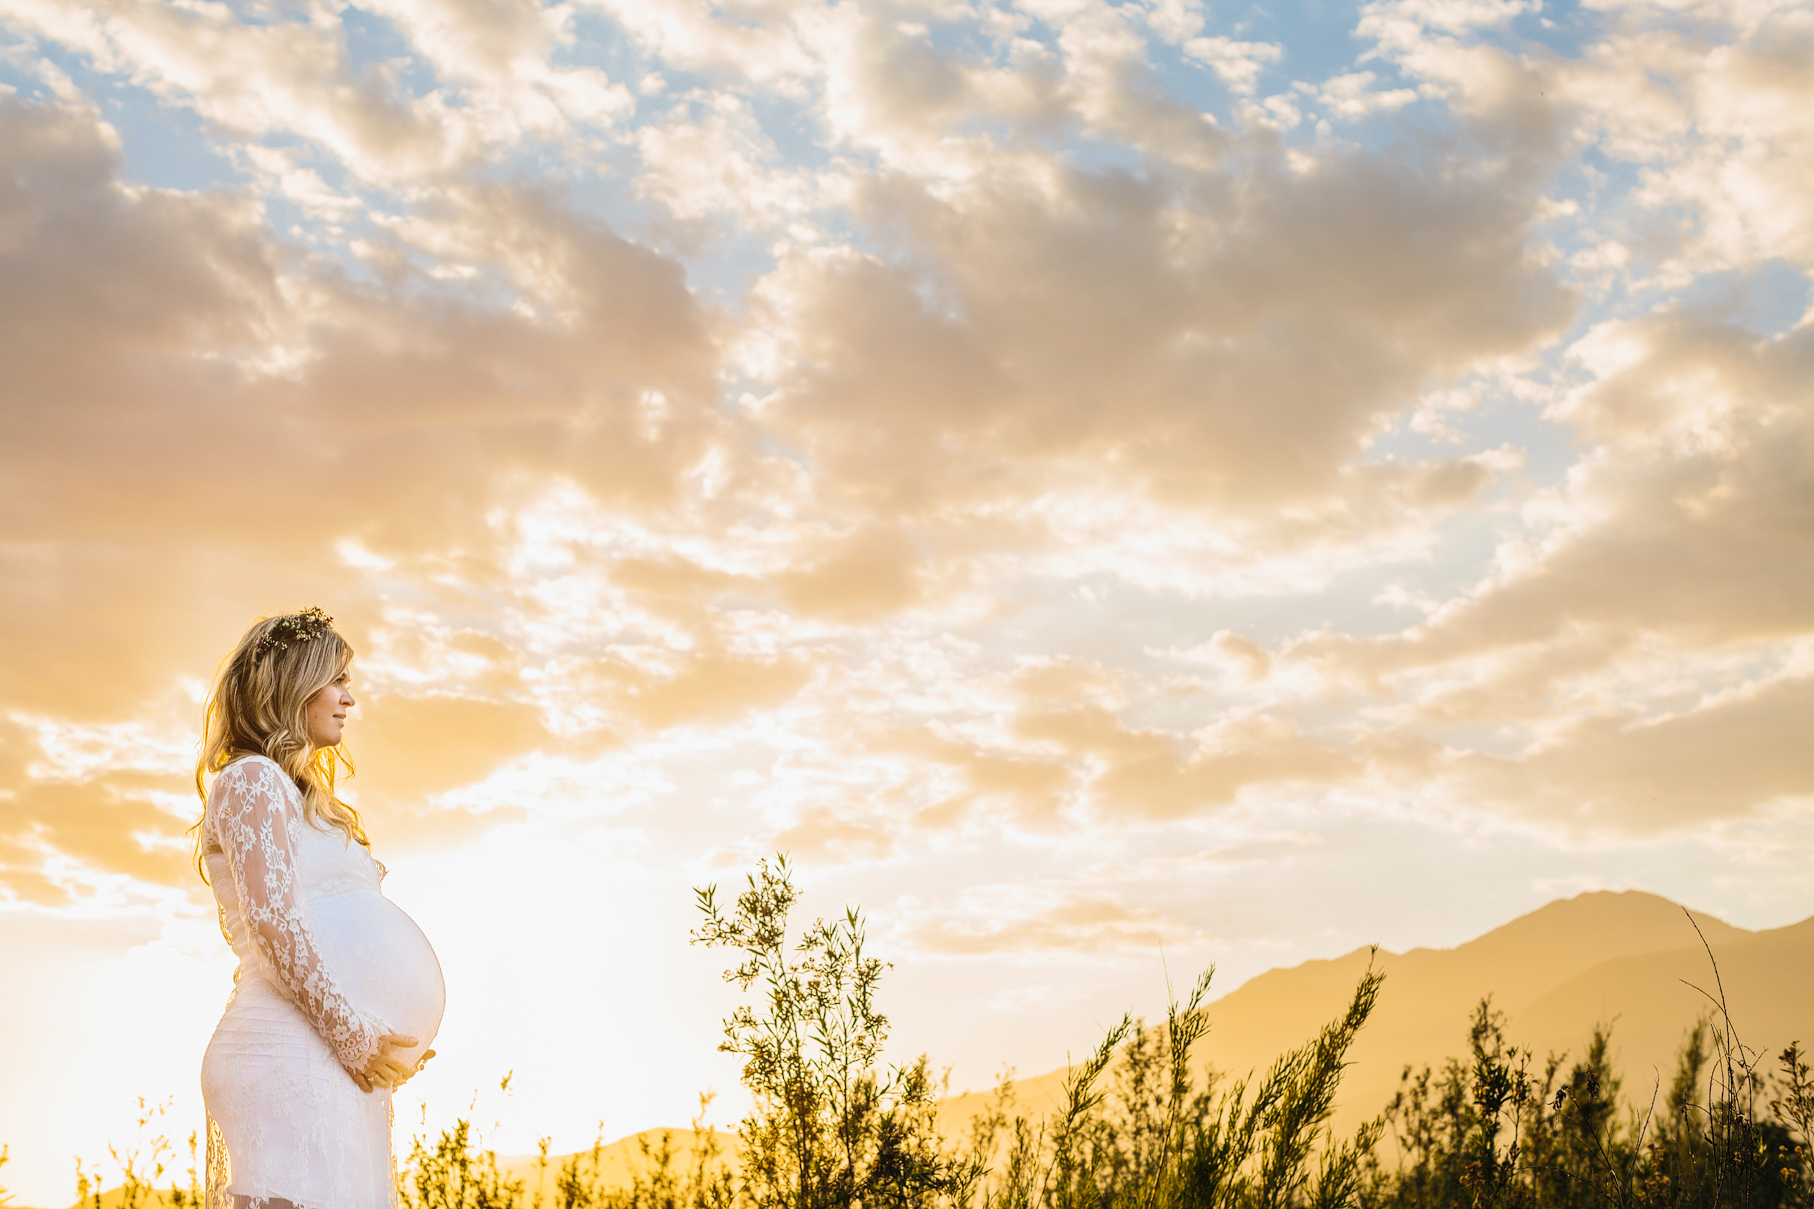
[[305, 626]]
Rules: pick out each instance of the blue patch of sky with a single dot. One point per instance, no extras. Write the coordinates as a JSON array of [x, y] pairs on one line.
[[1315, 49], [967, 39], [1768, 299], [722, 260], [1595, 175], [306, 153], [1103, 157], [1550, 448], [163, 145], [374, 41], [598, 41], [1562, 27], [327, 236], [1500, 419], [796, 128], [1317, 43], [1184, 79], [1317, 35], [726, 268], [324, 238], [15, 54], [1466, 543], [1547, 446]]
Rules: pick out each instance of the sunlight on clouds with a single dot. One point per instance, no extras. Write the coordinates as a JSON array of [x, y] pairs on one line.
[[721, 162], [1237, 63], [1022, 920], [1353, 95], [75, 752]]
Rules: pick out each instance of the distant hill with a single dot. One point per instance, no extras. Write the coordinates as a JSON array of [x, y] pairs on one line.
[[620, 1161], [1617, 958]]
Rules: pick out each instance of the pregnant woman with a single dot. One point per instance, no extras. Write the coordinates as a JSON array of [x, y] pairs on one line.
[[337, 994]]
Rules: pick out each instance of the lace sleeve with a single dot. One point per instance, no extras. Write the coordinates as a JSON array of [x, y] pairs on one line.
[[252, 820]]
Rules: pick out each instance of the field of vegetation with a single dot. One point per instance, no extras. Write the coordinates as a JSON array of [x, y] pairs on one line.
[[1138, 1125]]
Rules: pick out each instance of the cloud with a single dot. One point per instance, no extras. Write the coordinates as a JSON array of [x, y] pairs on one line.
[[1239, 64], [1641, 641], [1353, 95], [392, 405], [992, 781], [719, 161], [494, 79], [1151, 775], [1109, 329], [429, 744], [1513, 101], [251, 78], [1048, 753], [867, 575], [827, 834], [114, 823], [1691, 520], [760, 42], [711, 687], [1723, 760], [1023, 919]]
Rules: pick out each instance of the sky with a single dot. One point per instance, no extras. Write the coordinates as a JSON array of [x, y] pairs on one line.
[[1107, 487]]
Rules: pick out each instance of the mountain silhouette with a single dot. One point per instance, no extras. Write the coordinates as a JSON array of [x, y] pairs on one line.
[[1627, 960]]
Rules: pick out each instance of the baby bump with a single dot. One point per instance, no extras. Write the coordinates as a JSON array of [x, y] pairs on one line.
[[382, 961]]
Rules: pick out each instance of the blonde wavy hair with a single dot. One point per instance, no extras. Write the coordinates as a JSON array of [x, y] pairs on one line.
[[258, 706]]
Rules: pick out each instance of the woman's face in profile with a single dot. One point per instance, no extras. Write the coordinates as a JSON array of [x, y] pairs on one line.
[[327, 710]]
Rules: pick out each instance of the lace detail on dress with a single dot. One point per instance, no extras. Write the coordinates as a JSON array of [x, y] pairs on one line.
[[255, 824], [218, 1173]]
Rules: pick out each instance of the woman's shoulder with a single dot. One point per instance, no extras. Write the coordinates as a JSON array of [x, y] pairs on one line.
[[248, 761], [250, 772]]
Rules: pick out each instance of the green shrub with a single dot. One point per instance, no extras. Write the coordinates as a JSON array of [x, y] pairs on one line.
[[828, 1128]]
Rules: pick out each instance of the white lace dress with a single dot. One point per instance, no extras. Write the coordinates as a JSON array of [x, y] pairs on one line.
[[327, 966]]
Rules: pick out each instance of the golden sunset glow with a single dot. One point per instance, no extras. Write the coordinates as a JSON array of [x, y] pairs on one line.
[[1109, 487]]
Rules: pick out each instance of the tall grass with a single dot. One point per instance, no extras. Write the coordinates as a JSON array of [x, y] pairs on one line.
[[135, 1172], [1141, 1123]]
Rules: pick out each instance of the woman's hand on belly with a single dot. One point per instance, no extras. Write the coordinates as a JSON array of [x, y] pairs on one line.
[[385, 1069], [420, 1063]]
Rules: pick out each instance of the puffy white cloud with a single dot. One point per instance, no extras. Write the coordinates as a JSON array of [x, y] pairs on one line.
[[1353, 95], [1239, 64], [296, 76], [1020, 919], [711, 157]]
